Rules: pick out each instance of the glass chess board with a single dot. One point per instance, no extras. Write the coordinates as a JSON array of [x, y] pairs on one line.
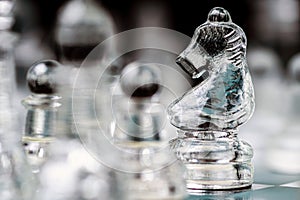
[[267, 186]]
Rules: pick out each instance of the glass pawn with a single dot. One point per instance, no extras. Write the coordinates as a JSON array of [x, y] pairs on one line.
[[41, 105], [208, 115], [71, 172], [149, 169]]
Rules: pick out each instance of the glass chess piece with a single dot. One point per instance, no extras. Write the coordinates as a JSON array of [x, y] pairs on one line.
[[81, 26], [70, 172], [16, 181], [41, 105], [149, 170], [267, 121], [7, 60], [283, 151], [208, 115]]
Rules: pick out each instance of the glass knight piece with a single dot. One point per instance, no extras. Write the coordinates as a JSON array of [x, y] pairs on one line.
[[208, 116]]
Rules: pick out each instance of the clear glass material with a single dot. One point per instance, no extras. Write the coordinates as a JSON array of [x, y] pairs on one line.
[[40, 128], [81, 27], [67, 171], [149, 169], [41, 108], [268, 118], [209, 115]]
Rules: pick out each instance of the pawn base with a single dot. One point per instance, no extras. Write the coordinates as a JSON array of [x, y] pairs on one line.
[[214, 162]]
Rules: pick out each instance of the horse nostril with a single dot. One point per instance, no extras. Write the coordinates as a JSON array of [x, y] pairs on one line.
[[186, 65], [189, 67]]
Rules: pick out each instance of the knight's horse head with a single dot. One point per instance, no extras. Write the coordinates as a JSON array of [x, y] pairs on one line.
[[216, 38]]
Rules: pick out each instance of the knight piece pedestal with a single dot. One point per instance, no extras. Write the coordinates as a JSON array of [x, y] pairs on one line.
[[214, 161]]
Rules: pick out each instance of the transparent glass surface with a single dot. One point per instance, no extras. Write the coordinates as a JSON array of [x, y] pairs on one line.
[[225, 99], [209, 115], [214, 161], [41, 105]]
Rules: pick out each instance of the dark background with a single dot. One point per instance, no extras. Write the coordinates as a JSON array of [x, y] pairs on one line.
[[260, 19]]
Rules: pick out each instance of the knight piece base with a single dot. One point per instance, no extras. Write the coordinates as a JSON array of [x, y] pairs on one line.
[[215, 162]]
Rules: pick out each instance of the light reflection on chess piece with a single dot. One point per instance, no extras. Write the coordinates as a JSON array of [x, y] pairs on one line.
[[208, 116], [41, 105], [283, 153], [150, 170]]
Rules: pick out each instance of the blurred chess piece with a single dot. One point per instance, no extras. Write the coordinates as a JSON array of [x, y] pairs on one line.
[[41, 105], [275, 23], [71, 173], [63, 165], [81, 26], [208, 116], [16, 180], [7, 62], [268, 120], [283, 154], [149, 169]]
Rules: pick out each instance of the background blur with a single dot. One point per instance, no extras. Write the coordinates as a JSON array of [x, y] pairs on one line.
[[271, 23], [272, 28]]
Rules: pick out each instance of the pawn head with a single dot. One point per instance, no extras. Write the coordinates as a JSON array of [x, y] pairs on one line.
[[41, 77], [140, 80]]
